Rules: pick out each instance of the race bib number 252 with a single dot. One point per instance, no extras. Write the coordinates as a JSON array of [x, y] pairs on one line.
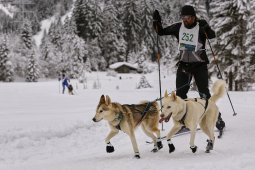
[[187, 37]]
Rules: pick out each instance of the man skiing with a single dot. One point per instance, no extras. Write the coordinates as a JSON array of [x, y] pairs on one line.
[[191, 34]]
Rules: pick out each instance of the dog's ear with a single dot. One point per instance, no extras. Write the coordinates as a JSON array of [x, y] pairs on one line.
[[107, 100], [102, 100], [173, 95], [166, 93]]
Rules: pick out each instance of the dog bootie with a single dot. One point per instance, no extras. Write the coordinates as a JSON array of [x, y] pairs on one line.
[[159, 144], [137, 155], [209, 146], [155, 149], [220, 124], [193, 148], [109, 148], [171, 146]]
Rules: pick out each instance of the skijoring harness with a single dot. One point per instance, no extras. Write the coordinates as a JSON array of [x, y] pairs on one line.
[[195, 100], [143, 113]]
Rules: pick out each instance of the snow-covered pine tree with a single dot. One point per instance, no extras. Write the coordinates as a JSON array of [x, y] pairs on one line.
[[56, 33], [143, 83], [32, 72], [26, 34], [49, 57], [111, 17], [141, 60], [229, 21], [97, 61], [132, 25], [87, 65], [112, 43], [74, 48], [58, 58], [147, 34], [249, 64], [168, 45], [94, 18], [88, 18], [113, 48], [23, 48], [79, 16], [6, 73]]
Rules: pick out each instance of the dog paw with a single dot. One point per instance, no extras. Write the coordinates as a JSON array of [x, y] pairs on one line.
[[209, 145], [160, 145], [193, 148], [154, 150], [109, 148], [171, 148], [137, 156]]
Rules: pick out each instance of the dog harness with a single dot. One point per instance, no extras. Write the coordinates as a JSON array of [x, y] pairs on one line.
[[147, 108], [195, 99], [118, 118], [143, 113]]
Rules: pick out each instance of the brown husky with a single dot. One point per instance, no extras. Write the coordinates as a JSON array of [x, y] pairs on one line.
[[192, 112], [126, 118]]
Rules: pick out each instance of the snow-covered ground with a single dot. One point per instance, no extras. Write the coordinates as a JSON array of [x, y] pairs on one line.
[[43, 129]]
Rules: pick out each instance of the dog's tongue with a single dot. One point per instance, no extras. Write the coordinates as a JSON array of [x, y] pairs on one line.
[[166, 119], [161, 120]]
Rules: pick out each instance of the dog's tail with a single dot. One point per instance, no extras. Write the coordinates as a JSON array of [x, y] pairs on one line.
[[218, 90]]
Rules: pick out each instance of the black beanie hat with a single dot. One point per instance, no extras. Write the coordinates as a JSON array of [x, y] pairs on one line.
[[188, 10]]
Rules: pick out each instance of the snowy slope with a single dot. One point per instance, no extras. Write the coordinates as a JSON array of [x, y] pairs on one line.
[[43, 129], [45, 26]]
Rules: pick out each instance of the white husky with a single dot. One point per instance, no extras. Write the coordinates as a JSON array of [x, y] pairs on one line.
[[192, 112]]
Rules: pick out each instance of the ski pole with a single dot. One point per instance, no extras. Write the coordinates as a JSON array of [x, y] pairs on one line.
[[158, 59], [234, 114], [59, 82]]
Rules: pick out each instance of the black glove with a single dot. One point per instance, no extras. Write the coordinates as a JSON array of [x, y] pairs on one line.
[[204, 28], [156, 21], [156, 16], [203, 25]]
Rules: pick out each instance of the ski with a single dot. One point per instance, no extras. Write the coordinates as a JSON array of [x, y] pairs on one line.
[[187, 131], [180, 133]]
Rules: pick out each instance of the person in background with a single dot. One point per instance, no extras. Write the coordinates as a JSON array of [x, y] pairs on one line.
[[65, 82], [191, 34]]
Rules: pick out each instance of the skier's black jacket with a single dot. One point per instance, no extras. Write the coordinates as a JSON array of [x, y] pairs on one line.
[[175, 28]]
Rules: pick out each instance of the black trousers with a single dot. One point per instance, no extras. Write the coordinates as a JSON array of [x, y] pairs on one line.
[[199, 72]]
